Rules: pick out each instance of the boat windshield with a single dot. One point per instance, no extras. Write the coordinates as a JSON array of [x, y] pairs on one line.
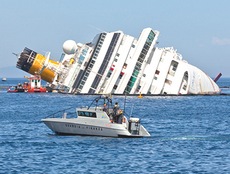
[[12, 88], [86, 114]]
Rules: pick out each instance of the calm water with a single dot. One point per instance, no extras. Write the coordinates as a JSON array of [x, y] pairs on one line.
[[190, 134]]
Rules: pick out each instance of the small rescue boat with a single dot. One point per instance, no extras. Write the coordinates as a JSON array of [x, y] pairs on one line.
[[34, 85], [98, 120], [14, 89]]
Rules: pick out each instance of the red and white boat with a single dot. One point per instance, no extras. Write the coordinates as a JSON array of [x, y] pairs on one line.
[[34, 85]]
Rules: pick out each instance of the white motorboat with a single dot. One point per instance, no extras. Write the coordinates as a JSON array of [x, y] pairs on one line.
[[96, 120]]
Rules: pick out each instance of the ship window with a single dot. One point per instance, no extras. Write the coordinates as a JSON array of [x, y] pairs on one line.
[[83, 82], [92, 61], [125, 65], [146, 46], [90, 65], [117, 54], [142, 56], [184, 87], [174, 67], [84, 78], [87, 114], [87, 74], [138, 66], [168, 81], [81, 86], [144, 51], [140, 60], [115, 60], [133, 46], [109, 74], [186, 74], [85, 63], [157, 72]]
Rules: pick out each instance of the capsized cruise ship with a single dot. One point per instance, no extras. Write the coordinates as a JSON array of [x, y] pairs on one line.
[[118, 63]]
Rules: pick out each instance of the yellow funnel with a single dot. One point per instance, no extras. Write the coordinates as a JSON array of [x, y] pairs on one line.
[[34, 63]]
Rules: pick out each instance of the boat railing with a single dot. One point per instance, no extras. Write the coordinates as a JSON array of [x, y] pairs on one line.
[[65, 113]]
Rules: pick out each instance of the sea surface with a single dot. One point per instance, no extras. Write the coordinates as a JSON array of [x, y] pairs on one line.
[[189, 134]]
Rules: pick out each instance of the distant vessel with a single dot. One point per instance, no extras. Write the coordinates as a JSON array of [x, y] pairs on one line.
[[4, 79], [119, 64], [95, 121], [34, 85]]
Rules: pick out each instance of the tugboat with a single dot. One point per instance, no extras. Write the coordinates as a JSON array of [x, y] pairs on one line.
[[34, 85], [98, 119]]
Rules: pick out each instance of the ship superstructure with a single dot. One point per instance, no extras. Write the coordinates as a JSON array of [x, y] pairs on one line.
[[119, 64]]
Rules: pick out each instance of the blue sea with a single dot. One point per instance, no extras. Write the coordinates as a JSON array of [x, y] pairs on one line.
[[189, 134]]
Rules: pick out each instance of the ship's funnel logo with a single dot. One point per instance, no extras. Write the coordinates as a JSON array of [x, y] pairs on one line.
[[34, 63]]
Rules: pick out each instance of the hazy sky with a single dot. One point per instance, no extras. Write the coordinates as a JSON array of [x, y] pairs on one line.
[[199, 30]]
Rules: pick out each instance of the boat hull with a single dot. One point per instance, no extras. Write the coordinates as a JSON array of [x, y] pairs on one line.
[[33, 90], [107, 129], [37, 90]]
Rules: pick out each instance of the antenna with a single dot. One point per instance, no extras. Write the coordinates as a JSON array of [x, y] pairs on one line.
[[94, 27], [125, 102], [15, 54], [131, 110]]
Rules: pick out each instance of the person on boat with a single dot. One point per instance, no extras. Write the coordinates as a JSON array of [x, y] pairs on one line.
[[19, 86], [115, 108], [119, 116], [105, 108], [117, 113]]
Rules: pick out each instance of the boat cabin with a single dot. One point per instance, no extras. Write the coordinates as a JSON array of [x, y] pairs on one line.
[[92, 113]]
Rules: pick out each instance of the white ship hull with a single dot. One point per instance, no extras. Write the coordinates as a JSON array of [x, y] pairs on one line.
[[119, 64]]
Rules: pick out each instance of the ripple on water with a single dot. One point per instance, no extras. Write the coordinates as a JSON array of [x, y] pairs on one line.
[[189, 135]]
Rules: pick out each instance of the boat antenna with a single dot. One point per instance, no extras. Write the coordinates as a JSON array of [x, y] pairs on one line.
[[109, 102], [131, 110], [124, 102], [96, 101]]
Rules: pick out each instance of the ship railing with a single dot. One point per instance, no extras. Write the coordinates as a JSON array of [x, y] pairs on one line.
[[65, 113]]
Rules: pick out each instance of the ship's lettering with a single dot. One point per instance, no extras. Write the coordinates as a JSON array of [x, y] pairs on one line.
[[84, 127]]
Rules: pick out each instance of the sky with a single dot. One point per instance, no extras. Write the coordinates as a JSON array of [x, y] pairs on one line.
[[199, 30]]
